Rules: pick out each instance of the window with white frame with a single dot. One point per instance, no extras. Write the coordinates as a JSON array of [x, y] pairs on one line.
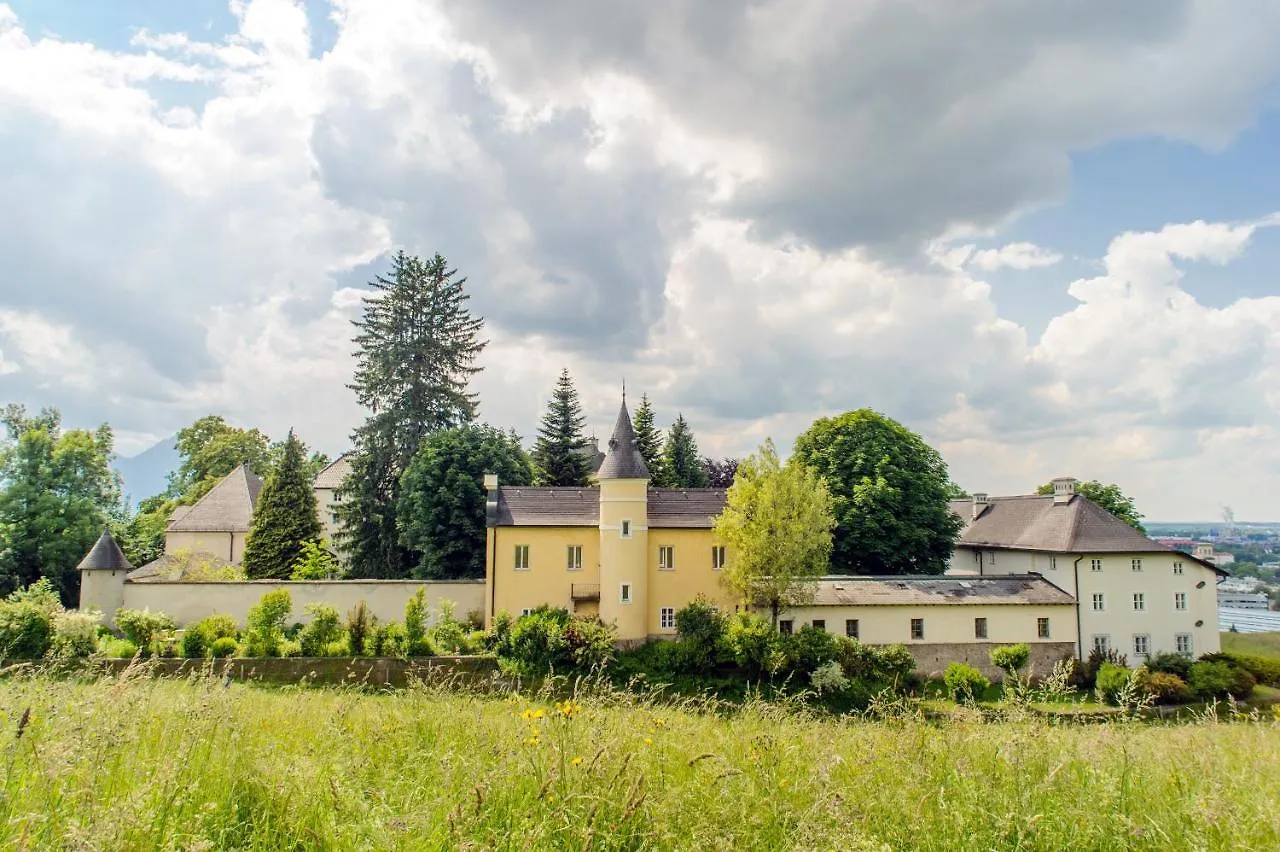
[[1182, 643], [625, 528], [1099, 602], [717, 557], [1139, 602], [667, 618], [666, 558], [573, 558], [979, 628], [1095, 564], [1042, 628], [1141, 644], [522, 557], [851, 628], [526, 611], [624, 593], [1101, 643], [1179, 600], [1135, 564], [1177, 567], [917, 628]]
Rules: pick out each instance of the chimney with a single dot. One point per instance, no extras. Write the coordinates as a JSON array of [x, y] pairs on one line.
[[491, 499], [1064, 488], [980, 503]]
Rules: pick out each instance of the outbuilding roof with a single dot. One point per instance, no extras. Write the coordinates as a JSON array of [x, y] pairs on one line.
[[937, 590], [228, 507]]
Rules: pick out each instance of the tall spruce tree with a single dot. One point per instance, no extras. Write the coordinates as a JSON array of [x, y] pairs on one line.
[[417, 345], [681, 465], [557, 454], [648, 438], [284, 519]]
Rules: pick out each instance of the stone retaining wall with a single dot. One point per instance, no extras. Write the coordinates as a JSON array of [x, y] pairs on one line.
[[932, 659]]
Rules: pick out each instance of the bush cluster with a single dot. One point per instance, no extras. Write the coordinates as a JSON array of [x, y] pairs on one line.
[[551, 640], [965, 683]]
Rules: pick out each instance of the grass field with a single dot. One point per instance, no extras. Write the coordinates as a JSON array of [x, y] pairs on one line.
[[135, 763], [1260, 644]]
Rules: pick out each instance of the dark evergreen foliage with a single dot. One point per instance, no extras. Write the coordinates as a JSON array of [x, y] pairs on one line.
[[720, 472], [681, 465], [558, 454], [648, 437], [284, 518]]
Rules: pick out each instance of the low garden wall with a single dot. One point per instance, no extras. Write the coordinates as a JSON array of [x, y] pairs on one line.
[[933, 658], [329, 671]]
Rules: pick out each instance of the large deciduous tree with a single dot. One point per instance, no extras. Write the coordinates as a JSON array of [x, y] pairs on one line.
[[285, 519], [648, 437], [681, 465], [416, 348], [777, 523], [890, 491], [1109, 497], [57, 492], [442, 499], [557, 454], [210, 448]]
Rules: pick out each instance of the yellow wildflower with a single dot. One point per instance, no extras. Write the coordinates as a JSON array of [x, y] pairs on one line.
[[538, 714], [660, 722], [648, 741], [577, 761]]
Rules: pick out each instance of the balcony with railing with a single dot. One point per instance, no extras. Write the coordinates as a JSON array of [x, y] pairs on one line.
[[584, 591]]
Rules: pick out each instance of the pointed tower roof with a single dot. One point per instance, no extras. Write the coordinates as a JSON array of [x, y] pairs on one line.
[[623, 461], [105, 555], [228, 507]]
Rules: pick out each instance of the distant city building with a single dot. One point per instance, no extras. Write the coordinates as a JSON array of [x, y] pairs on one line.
[[1243, 600]]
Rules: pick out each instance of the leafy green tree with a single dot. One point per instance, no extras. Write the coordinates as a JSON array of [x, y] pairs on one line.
[[211, 448], [1109, 497], [57, 492], [681, 465], [442, 499], [417, 344], [648, 437], [890, 492], [720, 472], [284, 519], [777, 523], [316, 562], [557, 453]]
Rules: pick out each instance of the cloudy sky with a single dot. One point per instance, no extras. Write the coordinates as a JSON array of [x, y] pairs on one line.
[[1043, 235]]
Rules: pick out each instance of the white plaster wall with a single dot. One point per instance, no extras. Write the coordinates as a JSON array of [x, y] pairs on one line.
[[947, 623], [189, 602], [227, 545]]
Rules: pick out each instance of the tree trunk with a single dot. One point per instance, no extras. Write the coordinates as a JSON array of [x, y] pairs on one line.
[[774, 607]]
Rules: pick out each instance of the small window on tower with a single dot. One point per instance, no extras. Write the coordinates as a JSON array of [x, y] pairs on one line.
[[626, 529]]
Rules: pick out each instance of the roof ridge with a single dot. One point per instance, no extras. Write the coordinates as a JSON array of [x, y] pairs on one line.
[[1075, 520]]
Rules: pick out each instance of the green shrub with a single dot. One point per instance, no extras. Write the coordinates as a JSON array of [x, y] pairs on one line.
[[1111, 679], [448, 636], [387, 640], [1170, 663], [590, 643], [1163, 687], [829, 678], [324, 629], [143, 627], [701, 626], [265, 624], [195, 645], [198, 638], [1265, 670], [550, 640], [1085, 675], [756, 647], [75, 634], [291, 648], [415, 623], [807, 649], [1011, 658], [964, 682], [26, 630], [120, 649], [1219, 679], [41, 594], [359, 623], [223, 647]]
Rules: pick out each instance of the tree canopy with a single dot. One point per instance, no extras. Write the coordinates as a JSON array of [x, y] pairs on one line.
[[57, 491], [720, 471], [890, 492], [557, 453], [777, 522], [416, 347], [442, 499], [681, 465], [1109, 497], [210, 448], [285, 519], [648, 437]]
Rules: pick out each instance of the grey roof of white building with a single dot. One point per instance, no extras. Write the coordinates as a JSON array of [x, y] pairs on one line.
[[334, 473], [228, 507], [937, 590]]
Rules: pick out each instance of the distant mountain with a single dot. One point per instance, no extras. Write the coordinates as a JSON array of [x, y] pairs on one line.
[[147, 473]]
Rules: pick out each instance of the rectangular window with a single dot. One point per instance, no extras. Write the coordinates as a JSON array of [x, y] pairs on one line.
[[666, 558], [626, 529], [717, 558], [917, 628], [525, 611], [1177, 567], [1136, 564], [522, 557], [1053, 563], [624, 593], [667, 618], [979, 628], [1102, 643], [573, 561], [1095, 564], [1141, 644], [1139, 602], [1042, 628], [992, 561], [851, 628], [1182, 643], [1099, 602], [784, 627], [819, 623], [1179, 600]]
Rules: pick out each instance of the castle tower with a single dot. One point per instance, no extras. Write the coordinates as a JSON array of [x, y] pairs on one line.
[[102, 575], [624, 533]]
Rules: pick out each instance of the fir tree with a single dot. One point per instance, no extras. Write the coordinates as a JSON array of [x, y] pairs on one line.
[[648, 438], [681, 464], [284, 520], [557, 454], [417, 344]]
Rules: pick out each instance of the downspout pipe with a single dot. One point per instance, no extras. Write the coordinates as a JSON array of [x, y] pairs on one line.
[[1075, 568]]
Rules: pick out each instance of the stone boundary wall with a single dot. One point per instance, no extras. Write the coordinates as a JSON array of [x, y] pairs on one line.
[[327, 671], [932, 659]]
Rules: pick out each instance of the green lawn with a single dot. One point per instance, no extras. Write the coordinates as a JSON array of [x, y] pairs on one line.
[[162, 764], [1259, 644]]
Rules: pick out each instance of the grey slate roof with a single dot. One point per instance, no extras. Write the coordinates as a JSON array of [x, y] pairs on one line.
[[520, 506], [623, 461], [228, 507], [692, 508], [334, 472], [937, 591], [105, 555]]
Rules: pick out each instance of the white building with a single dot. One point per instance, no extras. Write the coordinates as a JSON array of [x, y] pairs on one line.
[[1132, 594]]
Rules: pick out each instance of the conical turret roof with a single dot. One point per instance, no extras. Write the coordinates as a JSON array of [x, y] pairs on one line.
[[623, 461], [105, 555]]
